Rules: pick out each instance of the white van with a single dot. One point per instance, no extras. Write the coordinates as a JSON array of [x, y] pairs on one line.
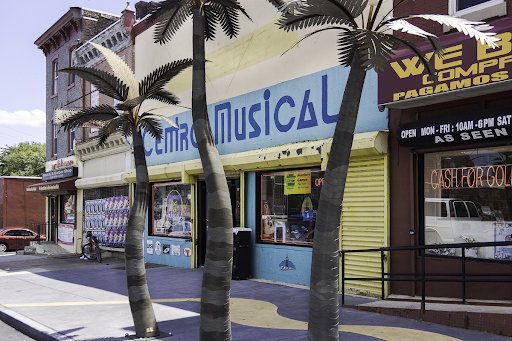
[[448, 219]]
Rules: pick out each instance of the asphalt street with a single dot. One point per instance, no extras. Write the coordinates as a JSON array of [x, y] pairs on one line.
[[71, 299], [10, 334]]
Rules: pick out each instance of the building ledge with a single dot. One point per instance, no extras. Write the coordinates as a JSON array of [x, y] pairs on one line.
[[310, 153], [111, 180]]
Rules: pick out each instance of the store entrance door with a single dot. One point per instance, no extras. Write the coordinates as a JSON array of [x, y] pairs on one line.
[[202, 205], [54, 218]]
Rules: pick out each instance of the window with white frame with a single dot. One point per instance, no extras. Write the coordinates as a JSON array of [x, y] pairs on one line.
[[71, 76], [467, 7], [71, 139], [54, 140], [95, 96], [55, 76]]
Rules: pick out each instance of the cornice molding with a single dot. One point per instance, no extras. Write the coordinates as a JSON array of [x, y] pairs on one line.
[[61, 32], [115, 37], [90, 150]]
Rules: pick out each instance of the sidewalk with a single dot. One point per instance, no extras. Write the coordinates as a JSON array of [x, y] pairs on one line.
[[91, 304]]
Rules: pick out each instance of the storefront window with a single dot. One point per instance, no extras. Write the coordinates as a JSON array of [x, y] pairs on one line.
[[468, 198], [172, 210], [106, 213], [289, 201], [68, 209]]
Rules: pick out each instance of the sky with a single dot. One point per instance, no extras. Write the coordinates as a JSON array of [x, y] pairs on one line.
[[22, 75]]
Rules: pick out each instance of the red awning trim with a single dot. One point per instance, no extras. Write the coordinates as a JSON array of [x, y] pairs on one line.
[[53, 187]]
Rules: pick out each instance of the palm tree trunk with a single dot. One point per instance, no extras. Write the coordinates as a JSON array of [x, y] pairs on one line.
[[216, 286], [138, 293], [323, 297]]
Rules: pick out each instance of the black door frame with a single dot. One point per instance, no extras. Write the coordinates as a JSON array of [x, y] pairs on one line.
[[202, 215]]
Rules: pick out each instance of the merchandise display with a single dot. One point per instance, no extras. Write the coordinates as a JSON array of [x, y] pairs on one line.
[[107, 219]]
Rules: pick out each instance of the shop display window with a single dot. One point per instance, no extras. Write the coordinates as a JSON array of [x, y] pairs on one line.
[[468, 199], [67, 209], [289, 201], [172, 210], [106, 214]]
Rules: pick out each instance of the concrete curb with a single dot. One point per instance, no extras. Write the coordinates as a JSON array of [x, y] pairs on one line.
[[30, 327]]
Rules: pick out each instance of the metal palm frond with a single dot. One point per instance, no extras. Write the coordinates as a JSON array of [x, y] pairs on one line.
[[277, 3], [111, 127], [420, 54], [469, 28], [171, 15], [120, 69], [375, 49], [151, 124], [210, 22], [354, 7], [436, 46], [166, 97], [405, 26], [126, 128], [161, 8], [347, 47], [291, 6], [131, 103], [156, 80], [315, 32], [235, 4], [106, 83], [151, 112], [320, 12], [99, 113], [227, 11]]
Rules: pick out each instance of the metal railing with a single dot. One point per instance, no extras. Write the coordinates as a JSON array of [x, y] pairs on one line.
[[39, 228], [423, 276]]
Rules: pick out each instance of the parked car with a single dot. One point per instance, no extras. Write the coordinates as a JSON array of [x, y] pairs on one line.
[[16, 238], [449, 220]]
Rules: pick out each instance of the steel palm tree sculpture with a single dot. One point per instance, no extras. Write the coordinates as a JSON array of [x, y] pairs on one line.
[[364, 44], [206, 16], [128, 117]]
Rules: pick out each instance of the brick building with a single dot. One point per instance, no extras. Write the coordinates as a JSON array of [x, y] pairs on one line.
[[450, 151], [66, 92], [102, 167], [19, 208]]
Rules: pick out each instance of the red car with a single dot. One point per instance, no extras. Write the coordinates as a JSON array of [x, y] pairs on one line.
[[16, 238]]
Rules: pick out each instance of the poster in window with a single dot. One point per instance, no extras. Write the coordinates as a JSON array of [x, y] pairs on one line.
[[175, 250], [166, 249], [69, 209], [297, 182], [149, 247], [503, 233], [66, 234], [172, 210]]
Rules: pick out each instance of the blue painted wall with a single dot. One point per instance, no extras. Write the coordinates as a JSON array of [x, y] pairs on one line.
[[180, 261], [298, 110], [301, 109]]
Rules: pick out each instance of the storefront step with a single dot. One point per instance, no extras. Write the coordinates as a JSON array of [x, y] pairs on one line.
[[47, 248], [449, 300], [112, 252], [486, 316]]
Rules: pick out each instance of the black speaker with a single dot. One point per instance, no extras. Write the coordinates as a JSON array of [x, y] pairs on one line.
[[241, 253]]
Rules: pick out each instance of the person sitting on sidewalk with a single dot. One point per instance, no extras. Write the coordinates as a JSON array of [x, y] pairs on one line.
[[86, 250]]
